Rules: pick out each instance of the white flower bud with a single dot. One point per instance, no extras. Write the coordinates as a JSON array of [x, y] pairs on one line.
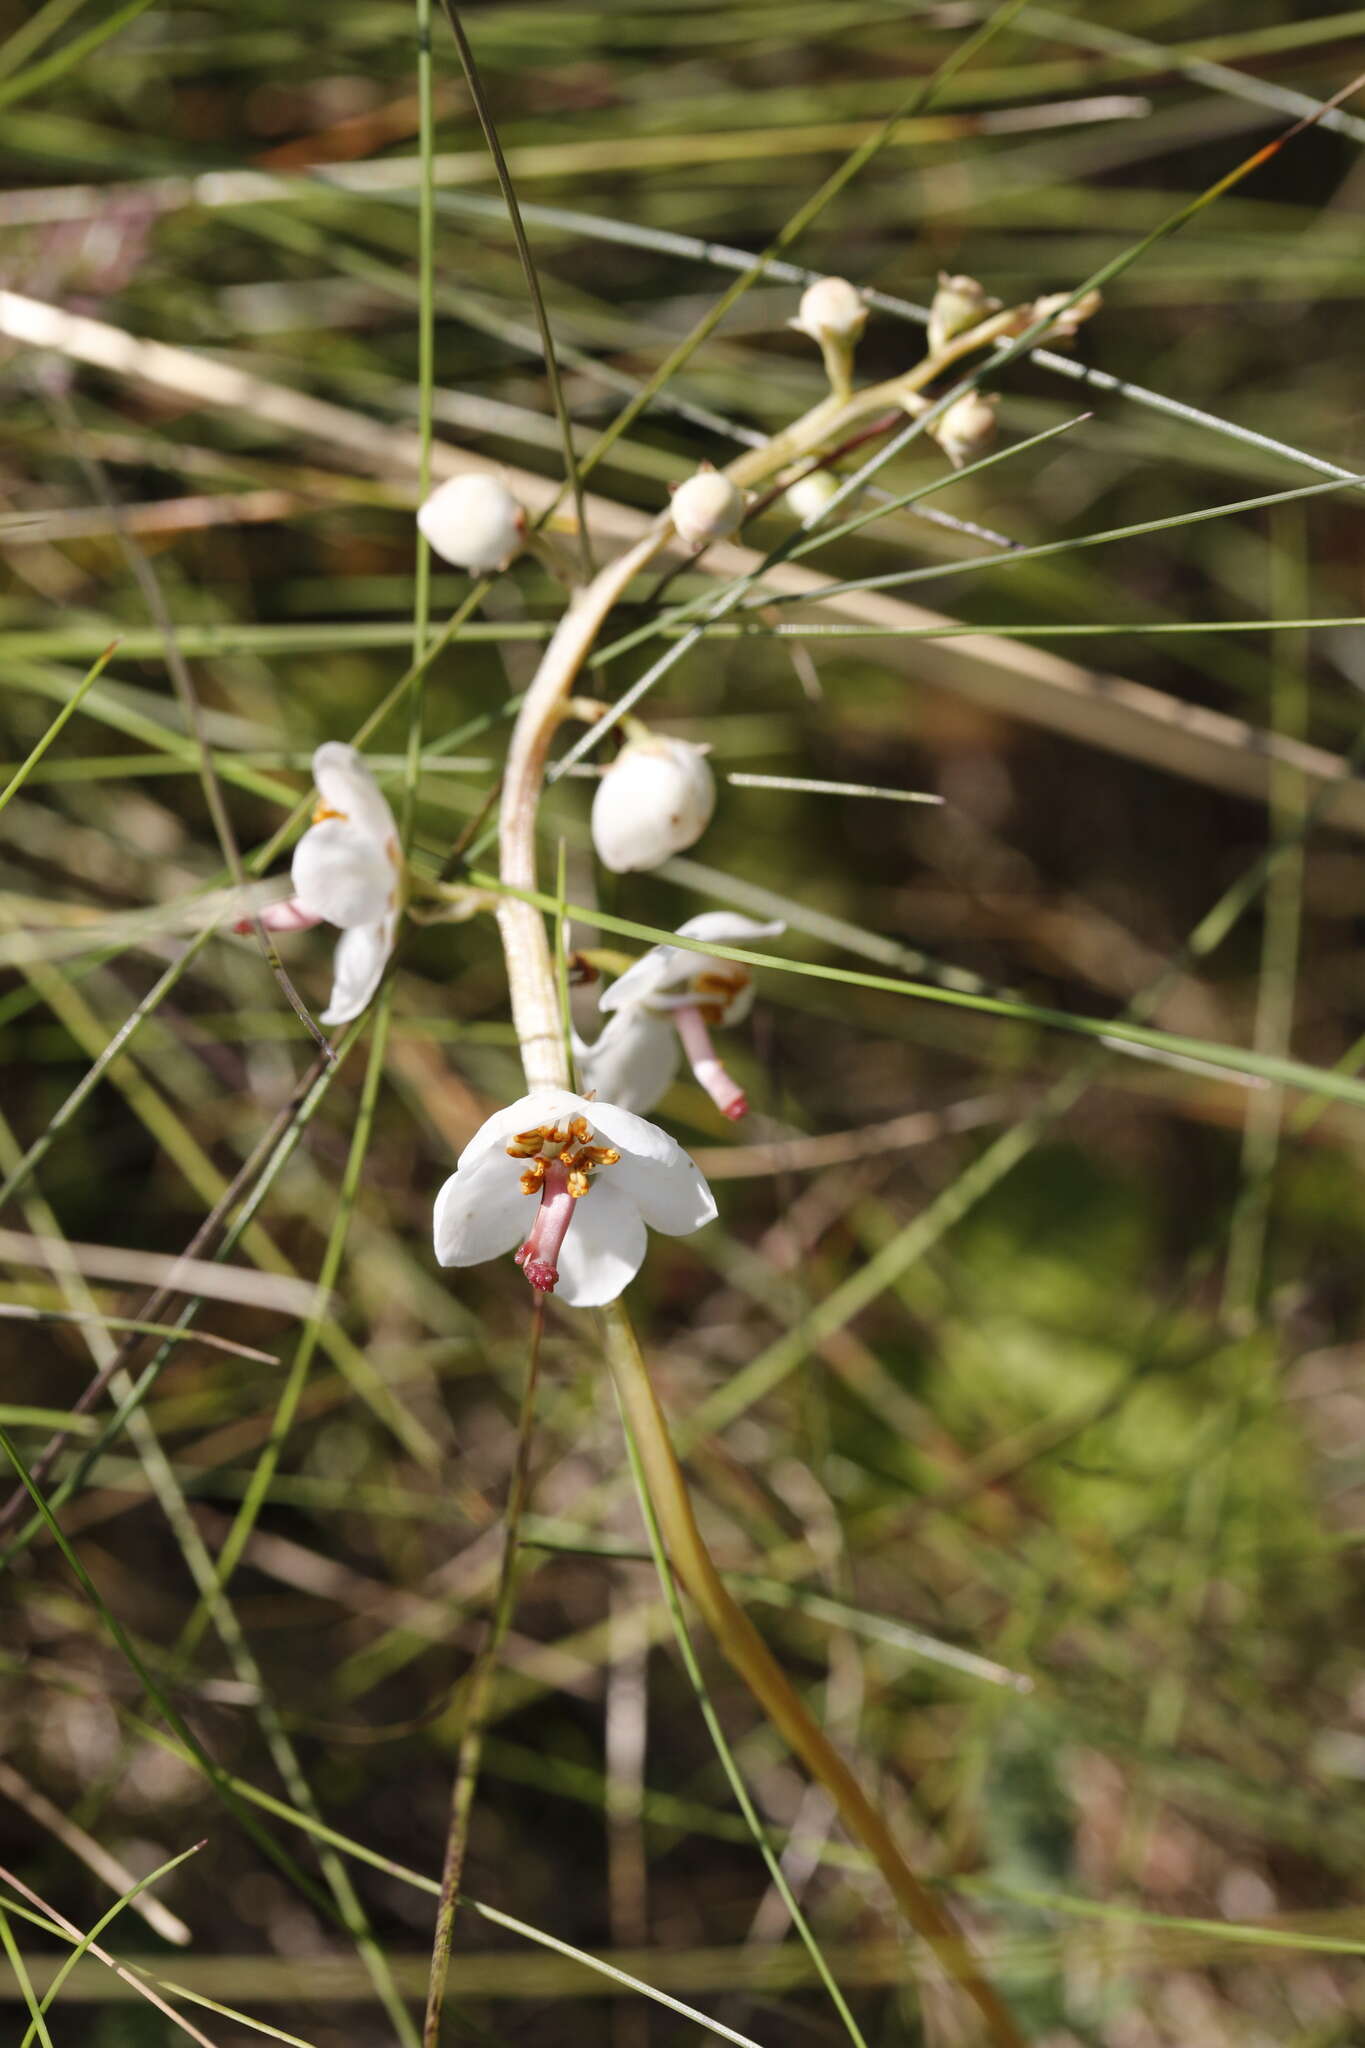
[[957, 305], [707, 507], [809, 495], [474, 522], [967, 429], [656, 798], [831, 310], [1069, 320]]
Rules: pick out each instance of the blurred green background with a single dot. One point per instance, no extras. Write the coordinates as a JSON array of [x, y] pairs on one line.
[[1057, 1519]]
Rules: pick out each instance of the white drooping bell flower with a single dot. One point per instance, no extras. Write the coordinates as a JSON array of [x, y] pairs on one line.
[[655, 799], [346, 872], [831, 310], [967, 428], [474, 522], [597, 1176], [809, 495], [674, 990], [707, 507]]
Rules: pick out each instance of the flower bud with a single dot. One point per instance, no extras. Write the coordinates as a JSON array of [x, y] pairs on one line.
[[957, 305], [656, 798], [707, 507], [967, 428], [831, 310], [474, 522], [1069, 320], [809, 495]]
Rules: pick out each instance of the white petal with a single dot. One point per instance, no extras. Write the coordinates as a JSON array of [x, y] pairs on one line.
[[481, 1212], [604, 1248], [672, 1196], [343, 874], [543, 1106], [729, 928], [666, 968], [631, 1061], [357, 966], [653, 970], [346, 786]]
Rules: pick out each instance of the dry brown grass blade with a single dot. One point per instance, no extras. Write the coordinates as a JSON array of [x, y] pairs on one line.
[[1010, 677]]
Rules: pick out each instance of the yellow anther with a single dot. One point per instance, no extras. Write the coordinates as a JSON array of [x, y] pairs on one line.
[[581, 1129], [578, 1184], [525, 1147], [533, 1177], [326, 811]]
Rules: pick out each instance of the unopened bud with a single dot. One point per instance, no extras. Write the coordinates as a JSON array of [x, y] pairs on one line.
[[831, 310], [967, 428], [809, 495], [957, 305], [655, 799], [474, 522], [1069, 319], [707, 507]]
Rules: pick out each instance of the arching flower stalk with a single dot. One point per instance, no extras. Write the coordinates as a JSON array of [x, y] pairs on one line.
[[668, 1003], [346, 871]]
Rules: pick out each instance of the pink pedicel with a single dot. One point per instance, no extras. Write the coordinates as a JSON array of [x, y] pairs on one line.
[[538, 1256], [727, 1095], [289, 916]]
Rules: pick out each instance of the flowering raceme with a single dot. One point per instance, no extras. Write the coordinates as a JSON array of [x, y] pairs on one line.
[[598, 1176], [346, 872], [667, 1003]]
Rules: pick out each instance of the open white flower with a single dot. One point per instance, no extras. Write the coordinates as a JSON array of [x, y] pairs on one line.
[[570, 1185], [655, 799], [673, 996], [345, 872]]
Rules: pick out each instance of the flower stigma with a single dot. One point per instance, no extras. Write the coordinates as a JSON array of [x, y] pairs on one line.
[[561, 1161]]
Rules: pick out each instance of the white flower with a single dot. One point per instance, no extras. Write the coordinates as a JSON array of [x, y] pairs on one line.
[[831, 310], [474, 522], [707, 507], [673, 989], [596, 1175], [632, 1059], [656, 798], [345, 872], [967, 428]]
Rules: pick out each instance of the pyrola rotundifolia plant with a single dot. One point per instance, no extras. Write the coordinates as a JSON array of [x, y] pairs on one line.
[[568, 1185]]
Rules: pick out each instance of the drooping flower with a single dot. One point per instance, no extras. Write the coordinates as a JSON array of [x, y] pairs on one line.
[[570, 1185], [707, 507], [655, 799], [673, 997], [474, 522], [346, 872]]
